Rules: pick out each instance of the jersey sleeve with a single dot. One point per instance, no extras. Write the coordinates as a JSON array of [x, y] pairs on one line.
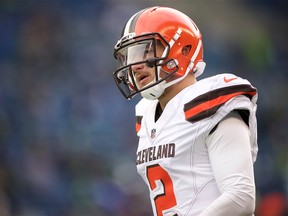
[[227, 93], [229, 153]]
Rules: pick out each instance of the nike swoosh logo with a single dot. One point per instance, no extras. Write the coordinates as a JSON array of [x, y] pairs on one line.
[[227, 80]]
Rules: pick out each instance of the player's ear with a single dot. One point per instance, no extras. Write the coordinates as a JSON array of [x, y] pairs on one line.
[[186, 50]]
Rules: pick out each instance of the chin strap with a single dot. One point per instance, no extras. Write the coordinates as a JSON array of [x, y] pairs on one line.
[[154, 92]]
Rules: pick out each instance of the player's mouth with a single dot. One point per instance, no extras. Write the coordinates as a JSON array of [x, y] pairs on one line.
[[143, 79]]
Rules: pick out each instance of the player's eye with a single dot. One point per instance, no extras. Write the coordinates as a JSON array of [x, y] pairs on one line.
[[148, 53]]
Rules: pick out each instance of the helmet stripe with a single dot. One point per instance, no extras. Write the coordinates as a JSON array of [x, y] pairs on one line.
[[130, 26]]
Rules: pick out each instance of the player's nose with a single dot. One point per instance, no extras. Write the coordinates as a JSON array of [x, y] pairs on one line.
[[138, 67]]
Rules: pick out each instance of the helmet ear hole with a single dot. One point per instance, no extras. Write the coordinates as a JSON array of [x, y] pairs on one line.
[[186, 50]]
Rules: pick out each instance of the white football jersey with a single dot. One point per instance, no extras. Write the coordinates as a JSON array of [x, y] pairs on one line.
[[172, 157]]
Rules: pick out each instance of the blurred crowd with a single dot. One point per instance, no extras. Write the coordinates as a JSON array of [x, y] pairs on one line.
[[67, 140]]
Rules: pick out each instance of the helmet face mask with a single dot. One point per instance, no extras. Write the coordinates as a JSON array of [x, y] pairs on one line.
[[138, 50], [156, 37]]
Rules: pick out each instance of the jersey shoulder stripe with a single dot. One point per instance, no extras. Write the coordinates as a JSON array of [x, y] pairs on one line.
[[207, 104]]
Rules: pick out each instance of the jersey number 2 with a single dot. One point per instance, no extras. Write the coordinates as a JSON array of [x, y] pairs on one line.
[[164, 192]]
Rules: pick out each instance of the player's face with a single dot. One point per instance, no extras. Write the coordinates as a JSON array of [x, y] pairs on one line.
[[143, 72]]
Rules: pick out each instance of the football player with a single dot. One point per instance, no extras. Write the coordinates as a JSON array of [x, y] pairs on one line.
[[197, 139]]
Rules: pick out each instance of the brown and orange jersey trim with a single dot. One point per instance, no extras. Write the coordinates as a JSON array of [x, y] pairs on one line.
[[207, 104], [138, 123]]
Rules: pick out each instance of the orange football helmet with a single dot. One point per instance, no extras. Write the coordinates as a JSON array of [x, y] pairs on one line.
[[143, 32]]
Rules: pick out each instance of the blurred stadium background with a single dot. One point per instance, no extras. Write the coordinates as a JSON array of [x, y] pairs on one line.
[[67, 141]]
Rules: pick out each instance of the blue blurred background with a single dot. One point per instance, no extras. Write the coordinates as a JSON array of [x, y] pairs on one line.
[[67, 140]]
